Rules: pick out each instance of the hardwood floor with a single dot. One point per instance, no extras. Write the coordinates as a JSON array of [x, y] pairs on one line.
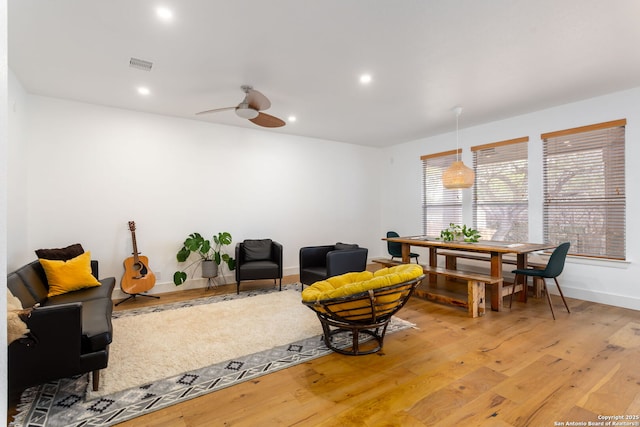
[[512, 368]]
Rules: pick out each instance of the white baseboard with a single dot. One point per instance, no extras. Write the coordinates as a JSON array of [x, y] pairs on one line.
[[197, 283], [623, 301]]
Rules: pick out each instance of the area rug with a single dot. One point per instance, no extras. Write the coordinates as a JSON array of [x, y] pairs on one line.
[[290, 339], [151, 346]]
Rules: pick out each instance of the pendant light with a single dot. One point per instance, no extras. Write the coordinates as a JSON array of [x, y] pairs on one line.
[[457, 175]]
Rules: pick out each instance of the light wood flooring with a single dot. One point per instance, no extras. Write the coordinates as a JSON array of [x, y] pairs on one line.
[[512, 368]]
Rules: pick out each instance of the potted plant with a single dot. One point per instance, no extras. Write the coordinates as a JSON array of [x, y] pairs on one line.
[[457, 233], [210, 256]]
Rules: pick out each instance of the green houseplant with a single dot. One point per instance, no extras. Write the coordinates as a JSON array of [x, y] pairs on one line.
[[457, 233], [207, 253]]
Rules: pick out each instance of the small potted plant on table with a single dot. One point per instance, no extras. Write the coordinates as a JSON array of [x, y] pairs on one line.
[[457, 233]]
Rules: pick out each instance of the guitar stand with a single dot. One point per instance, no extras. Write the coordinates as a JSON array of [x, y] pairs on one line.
[[135, 295]]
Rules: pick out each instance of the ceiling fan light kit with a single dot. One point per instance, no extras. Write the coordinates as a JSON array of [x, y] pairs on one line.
[[251, 108], [458, 175], [246, 112]]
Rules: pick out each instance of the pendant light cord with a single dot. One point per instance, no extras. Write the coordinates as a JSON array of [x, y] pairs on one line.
[[458, 111], [457, 139]]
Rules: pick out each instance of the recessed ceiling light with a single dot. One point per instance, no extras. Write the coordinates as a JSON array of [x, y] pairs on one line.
[[143, 90], [164, 13], [365, 79], [292, 118]]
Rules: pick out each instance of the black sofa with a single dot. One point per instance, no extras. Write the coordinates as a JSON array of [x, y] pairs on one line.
[[320, 262], [69, 333]]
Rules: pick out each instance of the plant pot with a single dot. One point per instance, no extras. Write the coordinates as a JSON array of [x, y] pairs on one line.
[[209, 269]]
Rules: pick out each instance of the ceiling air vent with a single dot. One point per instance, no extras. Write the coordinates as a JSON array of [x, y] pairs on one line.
[[140, 64]]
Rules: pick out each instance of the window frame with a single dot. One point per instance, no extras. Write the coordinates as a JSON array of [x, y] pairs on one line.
[[511, 150], [600, 143], [442, 202]]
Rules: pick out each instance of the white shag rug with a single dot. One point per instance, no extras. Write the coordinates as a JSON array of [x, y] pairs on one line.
[[144, 346]]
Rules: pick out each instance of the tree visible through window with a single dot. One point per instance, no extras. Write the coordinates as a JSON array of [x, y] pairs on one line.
[[500, 193], [584, 189], [440, 206]]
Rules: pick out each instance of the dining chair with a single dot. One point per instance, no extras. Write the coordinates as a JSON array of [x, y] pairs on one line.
[[554, 267], [395, 248]]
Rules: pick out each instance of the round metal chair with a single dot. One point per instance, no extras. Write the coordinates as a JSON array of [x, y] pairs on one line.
[[365, 314]]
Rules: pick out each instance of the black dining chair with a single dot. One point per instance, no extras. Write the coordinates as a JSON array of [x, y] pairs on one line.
[[554, 267], [395, 248]]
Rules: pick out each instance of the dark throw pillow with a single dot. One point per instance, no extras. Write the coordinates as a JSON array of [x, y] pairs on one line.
[[61, 254], [257, 250], [340, 246]]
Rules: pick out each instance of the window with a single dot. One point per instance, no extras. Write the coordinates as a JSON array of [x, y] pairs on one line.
[[584, 189], [439, 205], [500, 193]]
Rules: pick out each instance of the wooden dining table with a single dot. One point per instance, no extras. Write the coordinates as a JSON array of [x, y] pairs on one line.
[[495, 249]]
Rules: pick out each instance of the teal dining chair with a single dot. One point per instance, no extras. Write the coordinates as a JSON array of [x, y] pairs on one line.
[[395, 248], [554, 267]]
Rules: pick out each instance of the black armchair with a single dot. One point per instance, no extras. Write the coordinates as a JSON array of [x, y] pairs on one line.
[[320, 262], [258, 259]]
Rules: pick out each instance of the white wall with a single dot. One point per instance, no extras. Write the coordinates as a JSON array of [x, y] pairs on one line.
[[17, 173], [612, 283], [3, 198], [90, 169]]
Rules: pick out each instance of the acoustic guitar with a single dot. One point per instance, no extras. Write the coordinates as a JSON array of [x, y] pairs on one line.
[[137, 277]]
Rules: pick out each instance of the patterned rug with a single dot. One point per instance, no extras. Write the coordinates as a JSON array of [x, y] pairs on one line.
[[66, 402]]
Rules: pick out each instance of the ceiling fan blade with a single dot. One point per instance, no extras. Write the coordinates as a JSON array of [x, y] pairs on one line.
[[215, 110], [257, 100], [268, 121]]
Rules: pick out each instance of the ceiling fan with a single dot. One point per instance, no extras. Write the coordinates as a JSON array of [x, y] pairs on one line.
[[250, 108]]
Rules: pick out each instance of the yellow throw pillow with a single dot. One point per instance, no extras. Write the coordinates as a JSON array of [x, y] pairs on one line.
[[68, 276]]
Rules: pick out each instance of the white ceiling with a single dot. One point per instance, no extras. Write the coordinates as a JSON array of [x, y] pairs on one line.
[[496, 58]]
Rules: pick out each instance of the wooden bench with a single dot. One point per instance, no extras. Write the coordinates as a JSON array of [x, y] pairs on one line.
[[475, 296], [473, 299], [387, 262], [452, 256]]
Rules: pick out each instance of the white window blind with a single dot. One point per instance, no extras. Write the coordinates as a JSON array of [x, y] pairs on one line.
[[440, 206], [584, 189], [500, 193]]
